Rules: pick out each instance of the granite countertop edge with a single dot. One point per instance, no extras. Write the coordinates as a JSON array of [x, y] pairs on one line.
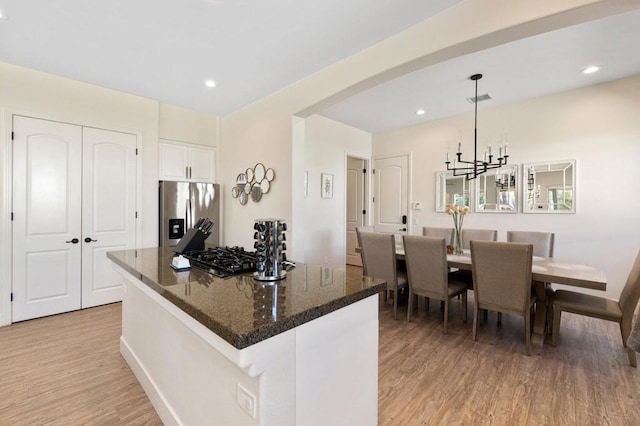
[[270, 330], [244, 340]]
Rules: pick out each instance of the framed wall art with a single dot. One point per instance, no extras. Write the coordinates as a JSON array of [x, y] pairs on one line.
[[326, 190]]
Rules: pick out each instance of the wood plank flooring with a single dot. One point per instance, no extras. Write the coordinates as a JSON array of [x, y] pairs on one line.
[[67, 369]]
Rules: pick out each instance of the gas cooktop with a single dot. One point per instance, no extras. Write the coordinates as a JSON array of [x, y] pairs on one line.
[[223, 261]]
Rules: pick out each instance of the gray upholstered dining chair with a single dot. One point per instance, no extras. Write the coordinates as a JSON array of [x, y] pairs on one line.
[[542, 247], [426, 259], [379, 260], [502, 281], [360, 229], [542, 241], [469, 235], [599, 307], [446, 233]]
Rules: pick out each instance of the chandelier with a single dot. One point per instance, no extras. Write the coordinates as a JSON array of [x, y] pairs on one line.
[[472, 168], [505, 180], [531, 181]]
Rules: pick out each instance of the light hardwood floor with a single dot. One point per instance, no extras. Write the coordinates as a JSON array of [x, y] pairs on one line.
[[67, 369]]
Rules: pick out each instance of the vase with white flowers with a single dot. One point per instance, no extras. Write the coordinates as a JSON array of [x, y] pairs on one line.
[[458, 213]]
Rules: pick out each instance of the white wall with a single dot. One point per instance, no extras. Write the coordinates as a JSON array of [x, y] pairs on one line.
[[327, 145], [42, 95], [183, 125], [597, 126], [268, 130]]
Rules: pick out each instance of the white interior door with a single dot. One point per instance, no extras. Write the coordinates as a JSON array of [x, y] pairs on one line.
[[46, 217], [355, 207], [391, 194], [108, 210]]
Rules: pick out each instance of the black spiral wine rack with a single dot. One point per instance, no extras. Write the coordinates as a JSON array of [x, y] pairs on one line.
[[270, 248]]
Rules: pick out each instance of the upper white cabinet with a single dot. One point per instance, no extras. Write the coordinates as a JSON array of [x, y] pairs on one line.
[[186, 162]]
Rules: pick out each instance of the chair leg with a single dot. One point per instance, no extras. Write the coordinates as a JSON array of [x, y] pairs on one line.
[[410, 303], [474, 333], [632, 357], [464, 307], [485, 315], [499, 318], [527, 332], [446, 315], [532, 319], [415, 299], [557, 314], [549, 295], [426, 303], [395, 304]]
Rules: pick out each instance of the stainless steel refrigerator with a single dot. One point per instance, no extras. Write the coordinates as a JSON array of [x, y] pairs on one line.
[[182, 204]]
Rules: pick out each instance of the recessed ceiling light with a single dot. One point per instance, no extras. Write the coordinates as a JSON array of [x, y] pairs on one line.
[[591, 69], [210, 83], [420, 112], [3, 16]]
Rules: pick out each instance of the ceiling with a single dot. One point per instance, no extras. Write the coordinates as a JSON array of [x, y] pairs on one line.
[[532, 67], [165, 50]]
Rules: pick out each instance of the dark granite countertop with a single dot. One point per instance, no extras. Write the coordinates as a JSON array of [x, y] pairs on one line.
[[239, 309]]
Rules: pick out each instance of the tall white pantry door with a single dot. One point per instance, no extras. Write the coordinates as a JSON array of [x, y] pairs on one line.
[[57, 197], [108, 210]]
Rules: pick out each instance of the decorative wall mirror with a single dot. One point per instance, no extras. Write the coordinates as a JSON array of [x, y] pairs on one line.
[[253, 183], [451, 190], [549, 187], [497, 190]]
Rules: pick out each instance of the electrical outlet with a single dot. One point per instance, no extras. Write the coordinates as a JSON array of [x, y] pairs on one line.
[[247, 401]]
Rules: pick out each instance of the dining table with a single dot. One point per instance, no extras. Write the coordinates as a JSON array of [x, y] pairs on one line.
[[543, 270]]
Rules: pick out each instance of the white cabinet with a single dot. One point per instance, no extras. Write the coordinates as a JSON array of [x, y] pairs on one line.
[[186, 162]]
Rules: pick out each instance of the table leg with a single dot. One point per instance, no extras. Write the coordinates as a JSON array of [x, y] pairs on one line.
[[537, 338]]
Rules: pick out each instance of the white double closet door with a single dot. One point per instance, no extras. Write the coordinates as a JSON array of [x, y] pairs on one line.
[[73, 200]]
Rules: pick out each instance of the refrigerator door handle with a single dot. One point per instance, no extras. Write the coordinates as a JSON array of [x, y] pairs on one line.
[[186, 215]]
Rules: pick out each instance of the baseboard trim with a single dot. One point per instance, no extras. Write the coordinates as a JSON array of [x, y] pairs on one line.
[[161, 406]]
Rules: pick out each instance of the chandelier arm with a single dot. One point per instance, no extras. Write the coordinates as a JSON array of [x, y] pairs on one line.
[[476, 167]]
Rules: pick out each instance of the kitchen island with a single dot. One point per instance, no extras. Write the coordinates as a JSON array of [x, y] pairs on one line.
[[211, 350]]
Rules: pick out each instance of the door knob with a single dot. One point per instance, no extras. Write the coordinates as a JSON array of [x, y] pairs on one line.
[[402, 229], [74, 241], [88, 240]]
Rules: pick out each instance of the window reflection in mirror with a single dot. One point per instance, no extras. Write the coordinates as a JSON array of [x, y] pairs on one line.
[[451, 190], [550, 187], [497, 190]]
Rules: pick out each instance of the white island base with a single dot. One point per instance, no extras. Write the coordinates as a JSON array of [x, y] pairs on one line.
[[323, 372]]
